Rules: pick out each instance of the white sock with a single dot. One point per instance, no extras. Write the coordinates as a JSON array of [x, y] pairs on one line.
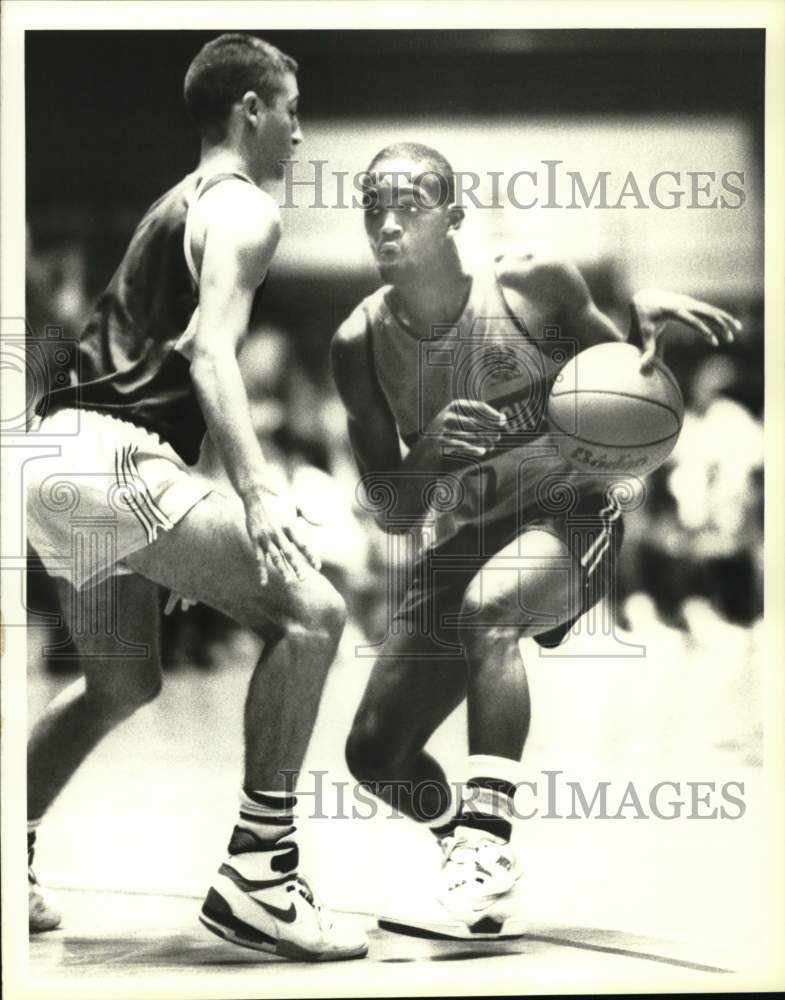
[[487, 800], [263, 852]]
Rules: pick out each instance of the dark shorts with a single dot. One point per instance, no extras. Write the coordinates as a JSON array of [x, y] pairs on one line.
[[593, 531]]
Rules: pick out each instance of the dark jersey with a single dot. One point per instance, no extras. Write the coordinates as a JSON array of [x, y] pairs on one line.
[[133, 359], [486, 354]]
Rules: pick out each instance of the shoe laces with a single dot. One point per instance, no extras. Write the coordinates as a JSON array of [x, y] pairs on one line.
[[301, 885], [462, 855], [454, 849]]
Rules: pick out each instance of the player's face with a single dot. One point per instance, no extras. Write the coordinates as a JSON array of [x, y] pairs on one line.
[[280, 133], [406, 220]]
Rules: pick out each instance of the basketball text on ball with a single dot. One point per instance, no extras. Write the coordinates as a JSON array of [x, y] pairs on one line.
[[611, 463]]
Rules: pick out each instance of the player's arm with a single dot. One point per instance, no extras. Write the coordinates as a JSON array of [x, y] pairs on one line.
[[558, 287], [374, 435], [241, 234], [463, 429], [652, 309]]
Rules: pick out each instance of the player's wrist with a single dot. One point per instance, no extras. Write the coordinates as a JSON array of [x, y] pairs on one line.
[[635, 333], [256, 490]]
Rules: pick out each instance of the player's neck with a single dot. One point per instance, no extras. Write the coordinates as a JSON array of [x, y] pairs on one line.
[[229, 160], [430, 297]]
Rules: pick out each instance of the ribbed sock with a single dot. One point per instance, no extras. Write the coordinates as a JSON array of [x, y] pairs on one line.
[[262, 849], [488, 798]]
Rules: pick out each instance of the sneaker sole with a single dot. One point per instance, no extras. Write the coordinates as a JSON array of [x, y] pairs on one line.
[[486, 929], [236, 931], [44, 928]]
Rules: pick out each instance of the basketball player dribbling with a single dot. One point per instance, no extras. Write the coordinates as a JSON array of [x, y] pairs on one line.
[[499, 559], [157, 367]]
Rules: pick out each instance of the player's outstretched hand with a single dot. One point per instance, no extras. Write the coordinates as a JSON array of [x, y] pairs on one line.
[[275, 530], [656, 308], [468, 427]]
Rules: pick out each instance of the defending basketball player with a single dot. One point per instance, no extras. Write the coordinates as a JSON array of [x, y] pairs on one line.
[[459, 365], [157, 368]]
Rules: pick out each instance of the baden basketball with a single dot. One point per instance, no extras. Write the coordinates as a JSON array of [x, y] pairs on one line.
[[608, 417]]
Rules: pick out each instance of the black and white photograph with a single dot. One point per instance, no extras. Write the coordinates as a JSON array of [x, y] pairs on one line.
[[392, 450]]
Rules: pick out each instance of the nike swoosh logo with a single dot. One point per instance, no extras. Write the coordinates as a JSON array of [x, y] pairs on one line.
[[287, 916]]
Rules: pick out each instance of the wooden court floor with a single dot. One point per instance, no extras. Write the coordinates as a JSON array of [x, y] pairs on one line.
[[131, 845], [138, 942]]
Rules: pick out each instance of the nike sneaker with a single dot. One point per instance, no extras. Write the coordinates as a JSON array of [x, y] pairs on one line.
[[477, 892], [43, 916], [282, 916]]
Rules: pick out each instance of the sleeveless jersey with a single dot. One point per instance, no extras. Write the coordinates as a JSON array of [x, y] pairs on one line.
[[133, 357], [488, 355]]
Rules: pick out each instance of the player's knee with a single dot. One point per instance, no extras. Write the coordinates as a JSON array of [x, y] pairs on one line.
[[319, 615], [485, 620], [315, 615], [331, 614], [488, 624], [142, 694], [369, 755], [480, 642], [116, 705], [489, 620]]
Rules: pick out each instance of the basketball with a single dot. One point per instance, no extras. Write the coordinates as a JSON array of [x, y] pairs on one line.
[[609, 417]]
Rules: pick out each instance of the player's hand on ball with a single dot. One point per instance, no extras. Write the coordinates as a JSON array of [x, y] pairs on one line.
[[275, 530], [655, 308], [468, 427]]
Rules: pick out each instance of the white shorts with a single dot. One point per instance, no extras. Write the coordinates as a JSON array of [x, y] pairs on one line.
[[102, 489]]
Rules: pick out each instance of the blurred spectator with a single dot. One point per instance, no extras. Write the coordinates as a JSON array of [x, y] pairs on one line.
[[716, 479], [701, 533]]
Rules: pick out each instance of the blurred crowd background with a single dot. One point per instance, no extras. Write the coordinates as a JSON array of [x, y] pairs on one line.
[[106, 134]]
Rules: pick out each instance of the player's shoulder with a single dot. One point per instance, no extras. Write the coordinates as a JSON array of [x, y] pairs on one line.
[[354, 331], [349, 344], [548, 277], [241, 208], [351, 352]]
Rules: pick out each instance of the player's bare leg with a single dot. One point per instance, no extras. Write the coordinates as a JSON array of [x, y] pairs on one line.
[[114, 626], [208, 557], [409, 694], [115, 629], [526, 588], [258, 898], [529, 587]]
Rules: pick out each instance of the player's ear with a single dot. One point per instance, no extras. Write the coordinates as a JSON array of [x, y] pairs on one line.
[[455, 216], [253, 106]]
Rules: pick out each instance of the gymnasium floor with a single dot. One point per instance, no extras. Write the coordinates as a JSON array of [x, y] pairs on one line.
[[613, 904]]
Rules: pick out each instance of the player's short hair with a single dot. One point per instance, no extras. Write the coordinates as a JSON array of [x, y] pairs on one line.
[[226, 68], [430, 159]]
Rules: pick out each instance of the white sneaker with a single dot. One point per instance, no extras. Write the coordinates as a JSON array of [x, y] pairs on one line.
[[43, 916], [286, 919], [476, 894]]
